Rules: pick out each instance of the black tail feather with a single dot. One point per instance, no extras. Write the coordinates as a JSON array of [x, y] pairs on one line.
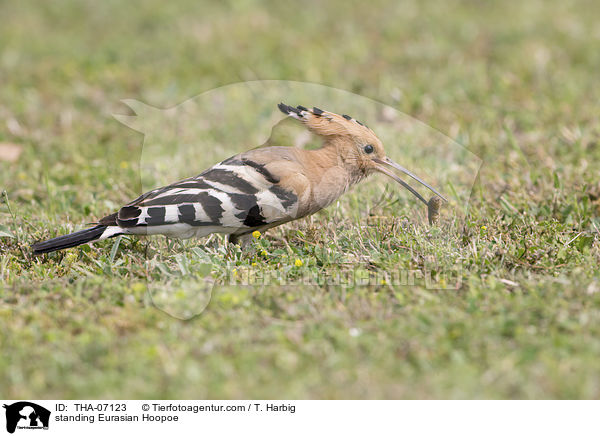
[[68, 241]]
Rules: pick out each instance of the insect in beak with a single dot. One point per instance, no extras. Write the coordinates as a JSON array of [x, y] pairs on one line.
[[382, 166]]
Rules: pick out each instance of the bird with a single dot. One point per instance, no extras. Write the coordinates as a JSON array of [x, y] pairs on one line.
[[255, 190]]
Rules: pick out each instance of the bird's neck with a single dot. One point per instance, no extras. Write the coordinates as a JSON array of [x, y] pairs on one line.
[[329, 174], [338, 155]]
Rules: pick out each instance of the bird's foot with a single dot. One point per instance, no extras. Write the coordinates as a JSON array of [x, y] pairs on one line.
[[242, 240]]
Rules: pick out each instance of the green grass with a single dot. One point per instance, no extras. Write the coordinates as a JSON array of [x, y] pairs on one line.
[[516, 83]]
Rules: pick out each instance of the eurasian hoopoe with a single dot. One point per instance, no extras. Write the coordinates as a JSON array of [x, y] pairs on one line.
[[254, 190]]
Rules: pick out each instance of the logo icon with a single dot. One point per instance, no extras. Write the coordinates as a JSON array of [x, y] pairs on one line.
[[26, 415]]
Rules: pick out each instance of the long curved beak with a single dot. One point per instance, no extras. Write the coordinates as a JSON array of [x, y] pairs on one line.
[[383, 164]]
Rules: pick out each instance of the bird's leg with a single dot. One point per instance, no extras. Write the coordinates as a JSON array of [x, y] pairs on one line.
[[241, 240]]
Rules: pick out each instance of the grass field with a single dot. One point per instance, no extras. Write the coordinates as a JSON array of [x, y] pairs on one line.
[[515, 83]]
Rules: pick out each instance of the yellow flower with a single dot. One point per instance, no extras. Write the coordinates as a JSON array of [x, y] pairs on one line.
[[235, 272], [298, 262], [483, 228], [254, 264], [263, 253], [256, 234], [124, 165], [383, 282]]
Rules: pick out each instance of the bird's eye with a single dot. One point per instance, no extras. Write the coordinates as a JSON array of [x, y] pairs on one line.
[[369, 149]]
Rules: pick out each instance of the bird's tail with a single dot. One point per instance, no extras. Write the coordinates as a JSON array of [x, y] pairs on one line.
[[72, 239]]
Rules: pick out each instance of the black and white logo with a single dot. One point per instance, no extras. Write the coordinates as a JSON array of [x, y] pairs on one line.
[[26, 415]]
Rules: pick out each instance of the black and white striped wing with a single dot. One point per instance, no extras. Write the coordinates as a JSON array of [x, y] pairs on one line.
[[236, 196]]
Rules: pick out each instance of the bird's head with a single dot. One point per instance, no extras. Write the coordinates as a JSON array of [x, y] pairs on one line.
[[356, 145]]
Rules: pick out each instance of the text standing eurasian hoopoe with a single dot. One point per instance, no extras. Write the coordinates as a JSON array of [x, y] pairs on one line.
[[254, 190]]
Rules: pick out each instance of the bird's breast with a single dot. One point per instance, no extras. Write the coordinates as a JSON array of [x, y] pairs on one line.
[[326, 187]]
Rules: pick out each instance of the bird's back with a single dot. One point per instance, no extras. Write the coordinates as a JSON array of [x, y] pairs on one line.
[[253, 190]]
